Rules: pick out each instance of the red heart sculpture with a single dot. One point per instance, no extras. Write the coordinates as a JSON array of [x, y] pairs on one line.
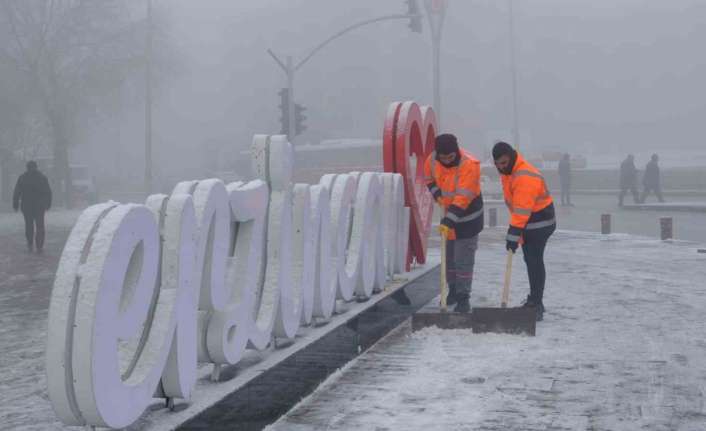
[[411, 130]]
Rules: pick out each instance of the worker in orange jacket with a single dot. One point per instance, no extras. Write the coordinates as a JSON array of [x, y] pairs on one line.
[[532, 218], [453, 178]]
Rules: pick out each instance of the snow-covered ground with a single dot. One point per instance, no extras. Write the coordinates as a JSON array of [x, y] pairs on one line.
[[622, 347], [667, 159], [669, 206], [25, 286], [61, 218]]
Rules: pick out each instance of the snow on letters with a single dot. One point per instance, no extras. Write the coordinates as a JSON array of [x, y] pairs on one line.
[[145, 292]]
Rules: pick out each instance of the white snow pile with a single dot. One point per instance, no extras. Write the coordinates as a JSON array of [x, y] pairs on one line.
[[621, 348]]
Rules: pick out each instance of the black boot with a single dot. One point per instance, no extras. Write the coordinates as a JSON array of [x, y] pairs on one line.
[[529, 302], [538, 306], [451, 298], [463, 305]]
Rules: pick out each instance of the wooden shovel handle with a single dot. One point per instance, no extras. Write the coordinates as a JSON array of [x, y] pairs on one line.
[[444, 288], [506, 286]]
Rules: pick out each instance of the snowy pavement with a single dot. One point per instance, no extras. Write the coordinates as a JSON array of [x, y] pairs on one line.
[[622, 347], [586, 216], [698, 207], [25, 288]]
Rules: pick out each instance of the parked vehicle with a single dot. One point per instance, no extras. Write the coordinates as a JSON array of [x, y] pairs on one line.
[[83, 184]]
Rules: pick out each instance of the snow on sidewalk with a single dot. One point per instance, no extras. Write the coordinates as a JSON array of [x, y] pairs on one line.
[[621, 348], [697, 207]]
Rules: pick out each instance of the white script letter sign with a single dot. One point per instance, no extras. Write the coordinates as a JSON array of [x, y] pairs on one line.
[[145, 292]]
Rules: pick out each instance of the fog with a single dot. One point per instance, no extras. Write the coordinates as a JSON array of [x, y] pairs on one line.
[[120, 100], [596, 78]]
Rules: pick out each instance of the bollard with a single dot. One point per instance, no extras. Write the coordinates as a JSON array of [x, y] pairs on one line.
[[493, 217], [666, 231], [605, 224]]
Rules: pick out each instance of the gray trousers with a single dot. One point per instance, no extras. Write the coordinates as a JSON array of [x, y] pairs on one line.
[[460, 259]]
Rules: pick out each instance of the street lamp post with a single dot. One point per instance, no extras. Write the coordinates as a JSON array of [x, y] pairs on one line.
[[148, 100], [513, 68], [436, 12]]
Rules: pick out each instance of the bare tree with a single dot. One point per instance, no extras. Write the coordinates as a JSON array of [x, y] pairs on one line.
[[72, 55], [12, 110]]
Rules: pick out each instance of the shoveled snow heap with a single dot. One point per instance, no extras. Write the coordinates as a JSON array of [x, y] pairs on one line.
[[622, 347]]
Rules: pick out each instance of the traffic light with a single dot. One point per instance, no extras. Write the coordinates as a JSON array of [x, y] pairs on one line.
[[284, 110], [299, 118], [415, 17]]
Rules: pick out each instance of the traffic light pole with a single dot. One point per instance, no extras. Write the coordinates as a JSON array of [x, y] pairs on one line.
[[290, 69], [348, 29], [291, 132]]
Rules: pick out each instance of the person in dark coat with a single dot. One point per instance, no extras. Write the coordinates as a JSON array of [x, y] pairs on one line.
[[628, 179], [33, 196], [565, 179], [651, 180]]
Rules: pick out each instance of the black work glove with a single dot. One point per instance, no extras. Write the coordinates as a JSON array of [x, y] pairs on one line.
[[513, 238], [435, 191], [446, 221]]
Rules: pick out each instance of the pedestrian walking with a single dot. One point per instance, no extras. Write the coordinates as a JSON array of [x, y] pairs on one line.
[[652, 181], [565, 180], [32, 195], [628, 179]]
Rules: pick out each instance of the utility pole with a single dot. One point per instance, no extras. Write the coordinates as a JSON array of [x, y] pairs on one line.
[[148, 100], [436, 12], [513, 68]]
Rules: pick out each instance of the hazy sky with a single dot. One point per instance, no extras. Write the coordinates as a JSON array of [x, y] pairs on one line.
[[600, 75]]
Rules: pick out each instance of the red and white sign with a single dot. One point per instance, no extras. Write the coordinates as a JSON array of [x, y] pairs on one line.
[[408, 138]]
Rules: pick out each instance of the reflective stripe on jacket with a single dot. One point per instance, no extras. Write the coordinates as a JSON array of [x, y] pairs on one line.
[[457, 189], [528, 199]]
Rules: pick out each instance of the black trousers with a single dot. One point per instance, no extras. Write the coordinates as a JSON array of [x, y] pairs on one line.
[[34, 222], [648, 189], [565, 193], [535, 241], [624, 189]]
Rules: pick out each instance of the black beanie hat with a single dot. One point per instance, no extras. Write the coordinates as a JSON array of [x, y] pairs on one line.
[[446, 144], [502, 148]]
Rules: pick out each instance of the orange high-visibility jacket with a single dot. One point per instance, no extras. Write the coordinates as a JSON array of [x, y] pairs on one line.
[[528, 199], [457, 189]]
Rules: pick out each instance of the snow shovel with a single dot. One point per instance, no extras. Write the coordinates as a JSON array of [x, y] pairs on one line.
[[520, 320], [515, 320], [444, 285], [435, 313]]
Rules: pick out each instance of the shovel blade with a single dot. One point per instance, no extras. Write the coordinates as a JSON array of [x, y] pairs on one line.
[[519, 320]]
